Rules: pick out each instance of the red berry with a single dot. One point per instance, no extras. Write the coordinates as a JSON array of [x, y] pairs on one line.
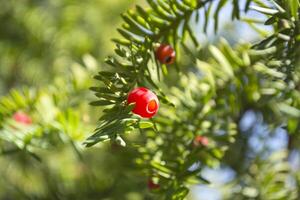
[[200, 140], [165, 54], [146, 102], [115, 147], [22, 118], [152, 185]]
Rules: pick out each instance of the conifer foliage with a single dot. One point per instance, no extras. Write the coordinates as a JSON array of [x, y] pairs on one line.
[[208, 98], [176, 103]]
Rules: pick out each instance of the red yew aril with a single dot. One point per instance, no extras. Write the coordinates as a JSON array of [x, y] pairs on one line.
[[152, 185], [200, 140], [22, 118], [146, 102], [165, 54]]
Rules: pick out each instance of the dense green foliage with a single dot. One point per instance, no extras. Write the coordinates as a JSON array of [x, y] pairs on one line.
[[209, 91]]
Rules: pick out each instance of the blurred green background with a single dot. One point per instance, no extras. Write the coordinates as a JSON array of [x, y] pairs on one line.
[[41, 39]]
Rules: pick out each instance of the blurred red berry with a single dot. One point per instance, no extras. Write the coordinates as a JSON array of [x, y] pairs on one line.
[[152, 185], [22, 118], [146, 102], [165, 54], [115, 146], [200, 140]]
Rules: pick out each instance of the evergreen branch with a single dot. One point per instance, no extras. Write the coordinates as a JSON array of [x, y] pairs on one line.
[[138, 58], [142, 29]]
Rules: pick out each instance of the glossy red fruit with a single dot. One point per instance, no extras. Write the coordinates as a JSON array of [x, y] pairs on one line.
[[200, 140], [165, 54], [152, 185], [22, 118], [146, 102]]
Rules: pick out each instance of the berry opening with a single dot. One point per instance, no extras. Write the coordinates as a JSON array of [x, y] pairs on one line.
[[168, 59], [151, 106]]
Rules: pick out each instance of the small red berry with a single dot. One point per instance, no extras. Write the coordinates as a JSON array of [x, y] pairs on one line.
[[115, 147], [22, 118], [165, 54], [200, 140], [146, 102], [152, 185]]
